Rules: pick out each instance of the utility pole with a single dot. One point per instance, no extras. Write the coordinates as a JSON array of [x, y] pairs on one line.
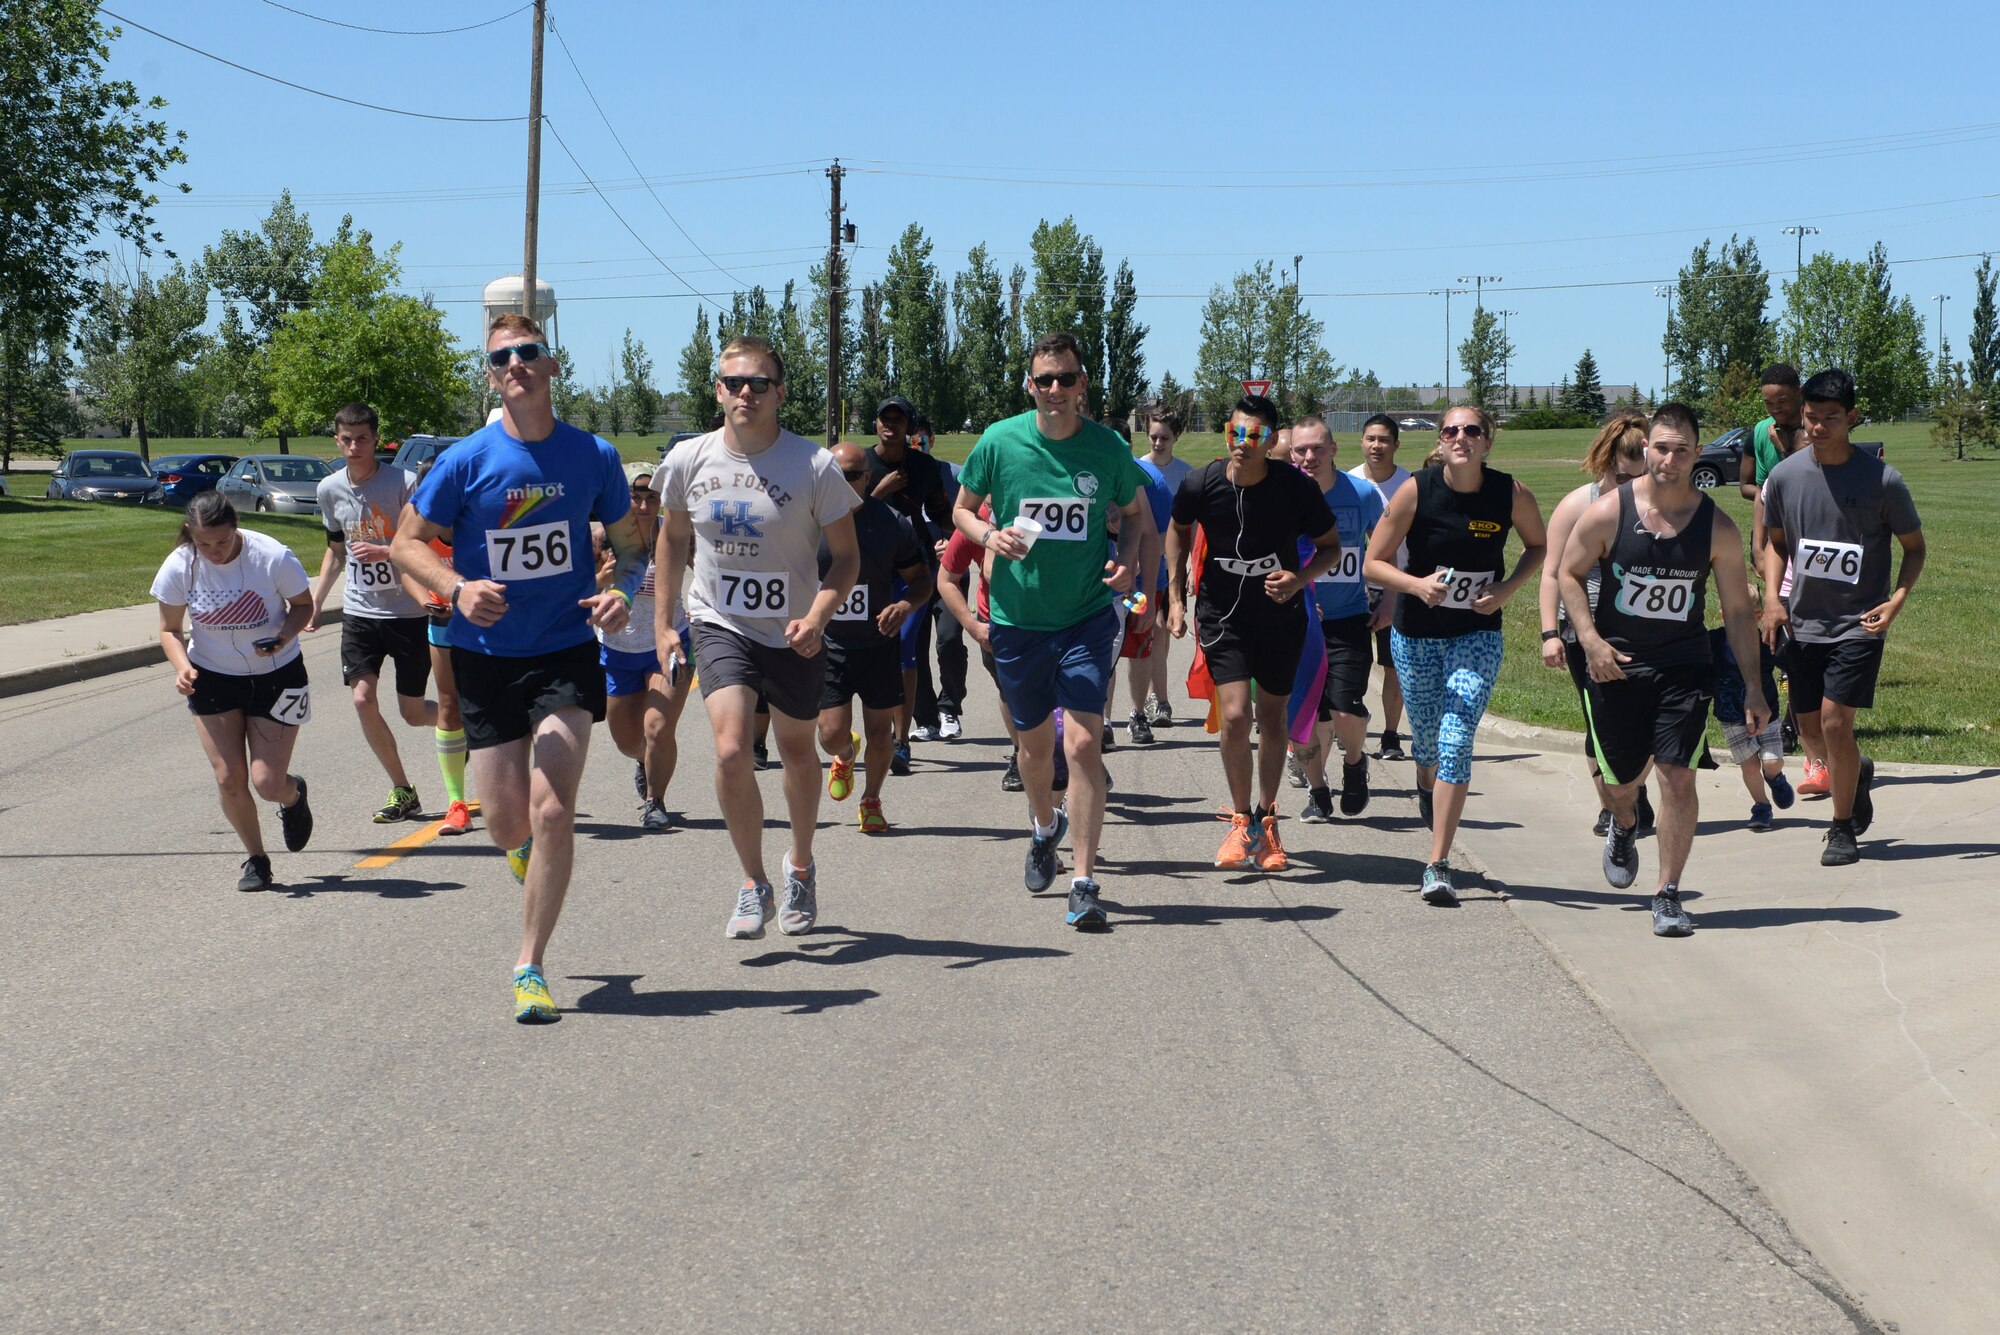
[[1506, 353], [1801, 231], [530, 237], [1666, 358], [836, 283], [1444, 389]]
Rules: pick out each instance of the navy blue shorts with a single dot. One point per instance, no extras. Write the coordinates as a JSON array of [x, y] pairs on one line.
[[1040, 671]]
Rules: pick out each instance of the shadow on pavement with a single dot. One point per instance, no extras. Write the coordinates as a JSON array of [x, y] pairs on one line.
[[1375, 869], [861, 947], [617, 997], [1213, 915], [1895, 780], [1895, 850], [1793, 915], [387, 888], [1570, 898]]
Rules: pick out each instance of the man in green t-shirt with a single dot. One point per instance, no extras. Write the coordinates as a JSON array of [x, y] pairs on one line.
[[1777, 435], [1053, 478]]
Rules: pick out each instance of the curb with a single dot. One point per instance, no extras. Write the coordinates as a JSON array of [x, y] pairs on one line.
[[84, 667]]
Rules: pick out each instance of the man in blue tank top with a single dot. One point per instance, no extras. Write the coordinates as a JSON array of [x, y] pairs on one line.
[[1655, 543]]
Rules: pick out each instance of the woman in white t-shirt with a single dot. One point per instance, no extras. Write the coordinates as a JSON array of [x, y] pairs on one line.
[[243, 597]]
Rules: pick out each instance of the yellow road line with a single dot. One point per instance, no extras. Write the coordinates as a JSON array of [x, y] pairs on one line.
[[409, 843]]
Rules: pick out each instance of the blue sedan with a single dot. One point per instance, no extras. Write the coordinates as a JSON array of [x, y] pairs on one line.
[[182, 477]]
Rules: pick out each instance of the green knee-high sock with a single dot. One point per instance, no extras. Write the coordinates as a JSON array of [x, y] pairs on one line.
[[451, 760]]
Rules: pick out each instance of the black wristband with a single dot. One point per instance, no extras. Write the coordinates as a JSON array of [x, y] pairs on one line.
[[1548, 635]]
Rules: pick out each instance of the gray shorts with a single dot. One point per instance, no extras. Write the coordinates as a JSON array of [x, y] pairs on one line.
[[790, 682]]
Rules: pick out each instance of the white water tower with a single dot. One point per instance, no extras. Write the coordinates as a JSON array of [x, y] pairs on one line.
[[504, 294]]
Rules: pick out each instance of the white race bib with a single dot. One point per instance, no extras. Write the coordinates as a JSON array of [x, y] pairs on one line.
[[1465, 588], [535, 552], [1257, 569], [753, 593], [1818, 558], [1063, 519], [294, 706], [370, 575], [854, 607], [1655, 597], [1347, 570]]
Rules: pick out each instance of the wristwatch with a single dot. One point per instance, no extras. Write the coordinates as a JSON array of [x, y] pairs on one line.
[[456, 589], [1548, 635]]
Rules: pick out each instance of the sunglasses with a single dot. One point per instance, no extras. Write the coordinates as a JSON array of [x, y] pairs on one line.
[[527, 352], [759, 384], [854, 474], [1471, 431], [1050, 379], [1243, 434]]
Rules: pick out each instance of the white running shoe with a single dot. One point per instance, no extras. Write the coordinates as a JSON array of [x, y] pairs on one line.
[[949, 728], [754, 903]]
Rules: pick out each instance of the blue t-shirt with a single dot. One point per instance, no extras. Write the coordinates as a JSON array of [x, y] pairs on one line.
[[1341, 592], [519, 513], [1160, 495]]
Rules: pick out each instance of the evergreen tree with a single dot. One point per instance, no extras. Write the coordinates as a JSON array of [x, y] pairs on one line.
[[1124, 359], [1018, 342], [980, 311], [913, 319], [1068, 296], [804, 410], [1983, 350], [871, 356], [635, 384], [697, 374], [1585, 394]]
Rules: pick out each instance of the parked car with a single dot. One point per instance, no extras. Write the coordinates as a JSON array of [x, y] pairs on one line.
[[182, 477], [676, 439], [1721, 459], [5, 491], [422, 449], [286, 484], [103, 475], [1416, 424]]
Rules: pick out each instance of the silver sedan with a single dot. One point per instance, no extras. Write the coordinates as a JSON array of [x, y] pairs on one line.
[[286, 484]]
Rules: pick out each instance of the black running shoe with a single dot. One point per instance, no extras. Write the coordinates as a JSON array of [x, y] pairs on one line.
[[1318, 808], [1041, 870], [1841, 848], [1424, 806], [1603, 822], [1010, 782], [1669, 918], [1107, 737], [760, 755], [256, 873], [296, 820], [1085, 913], [899, 760], [1864, 802], [1621, 856], [1392, 746], [1138, 731], [1354, 788], [402, 805], [1646, 823]]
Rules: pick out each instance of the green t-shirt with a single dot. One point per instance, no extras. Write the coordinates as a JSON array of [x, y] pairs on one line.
[[1768, 454], [1071, 486]]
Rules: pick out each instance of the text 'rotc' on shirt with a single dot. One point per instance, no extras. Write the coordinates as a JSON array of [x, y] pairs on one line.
[[757, 520], [1653, 588], [888, 544], [1465, 532], [1252, 532], [1838, 522], [519, 514], [367, 512]]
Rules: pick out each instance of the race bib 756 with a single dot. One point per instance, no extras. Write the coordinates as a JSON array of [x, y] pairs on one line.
[[535, 552]]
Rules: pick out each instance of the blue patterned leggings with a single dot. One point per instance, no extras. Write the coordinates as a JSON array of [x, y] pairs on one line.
[[1446, 684]]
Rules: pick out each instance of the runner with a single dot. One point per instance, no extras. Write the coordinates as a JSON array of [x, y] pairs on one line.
[[941, 700], [241, 669], [1380, 437], [1163, 432], [1759, 756], [1344, 616], [1830, 511], [381, 619], [1250, 620], [1455, 517], [962, 556], [643, 705], [1616, 456], [753, 502], [450, 732], [1141, 651], [1774, 439], [1054, 627], [863, 641], [1654, 544], [909, 480], [516, 499]]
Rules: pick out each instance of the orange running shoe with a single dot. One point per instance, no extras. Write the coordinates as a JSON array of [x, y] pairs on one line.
[[1271, 853], [872, 819], [1814, 784], [457, 819], [1239, 844]]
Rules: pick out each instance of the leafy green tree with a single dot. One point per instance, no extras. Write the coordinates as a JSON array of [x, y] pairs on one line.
[[140, 342], [816, 331], [1843, 313], [358, 340], [1718, 315], [804, 410], [1018, 342], [1983, 355], [271, 272], [871, 356], [1302, 372], [913, 317], [1124, 344], [1961, 414], [36, 411], [1586, 391], [635, 384], [1235, 329], [1068, 296], [697, 374], [979, 309], [1483, 357], [228, 387], [1737, 401]]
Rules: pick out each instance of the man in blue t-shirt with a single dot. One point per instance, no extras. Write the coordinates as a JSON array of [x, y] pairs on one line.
[[1139, 649], [1343, 617], [515, 500]]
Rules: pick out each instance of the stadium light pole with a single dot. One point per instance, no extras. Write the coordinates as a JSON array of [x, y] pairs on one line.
[[1666, 358], [1941, 298], [1444, 388], [1479, 282], [1801, 231], [1506, 352]]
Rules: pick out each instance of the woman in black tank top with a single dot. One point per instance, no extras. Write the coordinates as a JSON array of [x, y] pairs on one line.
[[1456, 517]]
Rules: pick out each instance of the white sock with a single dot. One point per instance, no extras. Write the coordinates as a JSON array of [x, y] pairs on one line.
[[1041, 831]]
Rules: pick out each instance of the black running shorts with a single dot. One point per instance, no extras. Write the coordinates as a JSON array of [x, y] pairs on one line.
[[874, 672], [1264, 652], [366, 641], [787, 679], [1843, 671], [506, 699], [1347, 663], [280, 695], [1659, 713]]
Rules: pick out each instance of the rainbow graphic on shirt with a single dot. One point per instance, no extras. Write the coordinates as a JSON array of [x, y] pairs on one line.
[[523, 501]]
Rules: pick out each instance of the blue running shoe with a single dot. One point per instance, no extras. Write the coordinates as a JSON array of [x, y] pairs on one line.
[[1085, 913], [1041, 872], [1760, 815], [1781, 790]]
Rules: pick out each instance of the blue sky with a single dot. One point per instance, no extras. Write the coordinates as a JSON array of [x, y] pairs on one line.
[[1397, 147]]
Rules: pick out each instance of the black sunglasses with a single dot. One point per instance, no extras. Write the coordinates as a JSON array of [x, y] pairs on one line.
[[527, 352], [759, 384], [854, 474], [1050, 379], [1471, 431]]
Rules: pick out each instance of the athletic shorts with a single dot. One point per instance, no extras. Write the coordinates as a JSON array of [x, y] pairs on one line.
[[1138, 646], [872, 671], [1579, 676], [1382, 654], [438, 632], [1264, 652], [1660, 713], [787, 680], [1347, 663], [1041, 671], [506, 699], [280, 695], [366, 641], [1843, 671], [913, 632], [626, 673]]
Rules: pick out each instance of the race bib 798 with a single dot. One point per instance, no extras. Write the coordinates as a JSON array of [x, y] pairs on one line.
[[753, 593]]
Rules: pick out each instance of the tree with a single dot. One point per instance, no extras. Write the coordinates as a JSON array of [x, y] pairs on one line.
[[228, 388], [1068, 296], [1482, 356], [1961, 413], [1235, 324], [1718, 315], [871, 355], [913, 319], [1983, 350], [1843, 313], [271, 271], [1017, 342], [1124, 358], [635, 384], [357, 340], [804, 410], [1586, 392], [816, 329], [697, 374], [36, 411], [140, 341], [980, 312], [1303, 373], [1173, 396]]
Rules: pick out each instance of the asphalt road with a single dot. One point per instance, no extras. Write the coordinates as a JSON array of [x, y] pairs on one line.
[[1303, 1102]]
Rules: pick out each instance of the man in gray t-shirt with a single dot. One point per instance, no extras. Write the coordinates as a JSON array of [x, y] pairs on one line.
[[381, 620], [1830, 511]]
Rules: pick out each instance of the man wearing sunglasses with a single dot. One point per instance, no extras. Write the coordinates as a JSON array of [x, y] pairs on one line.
[[1054, 627], [515, 500], [752, 502]]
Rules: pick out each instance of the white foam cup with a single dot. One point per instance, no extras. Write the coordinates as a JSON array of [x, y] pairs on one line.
[[1029, 529]]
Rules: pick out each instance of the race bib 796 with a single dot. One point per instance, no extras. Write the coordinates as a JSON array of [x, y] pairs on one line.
[[1063, 519]]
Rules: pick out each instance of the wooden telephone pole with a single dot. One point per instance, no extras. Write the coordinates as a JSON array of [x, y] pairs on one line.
[[836, 284], [530, 239]]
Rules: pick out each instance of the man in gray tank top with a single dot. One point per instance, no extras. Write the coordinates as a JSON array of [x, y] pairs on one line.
[[1654, 543]]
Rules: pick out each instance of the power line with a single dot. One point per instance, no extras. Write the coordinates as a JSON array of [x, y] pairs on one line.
[[550, 123], [400, 32], [316, 92], [592, 95]]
